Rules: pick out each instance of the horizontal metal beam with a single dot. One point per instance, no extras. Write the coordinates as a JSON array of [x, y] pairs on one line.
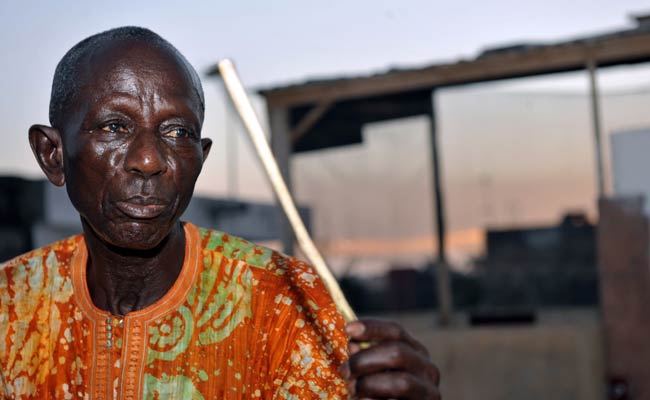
[[627, 48], [309, 120]]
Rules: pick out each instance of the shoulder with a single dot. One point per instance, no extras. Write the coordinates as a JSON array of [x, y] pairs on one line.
[[39, 271], [283, 285], [282, 299], [59, 252], [29, 285], [263, 260]]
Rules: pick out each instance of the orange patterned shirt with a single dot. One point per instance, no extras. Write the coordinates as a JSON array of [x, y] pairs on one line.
[[240, 322]]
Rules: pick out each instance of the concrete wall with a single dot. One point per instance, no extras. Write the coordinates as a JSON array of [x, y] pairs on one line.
[[559, 358], [623, 237]]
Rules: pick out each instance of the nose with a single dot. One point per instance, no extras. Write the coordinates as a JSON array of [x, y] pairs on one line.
[[145, 157]]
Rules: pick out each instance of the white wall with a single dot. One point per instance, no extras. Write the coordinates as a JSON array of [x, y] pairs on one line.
[[631, 164]]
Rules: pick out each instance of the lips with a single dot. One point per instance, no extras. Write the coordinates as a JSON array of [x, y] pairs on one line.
[[142, 207]]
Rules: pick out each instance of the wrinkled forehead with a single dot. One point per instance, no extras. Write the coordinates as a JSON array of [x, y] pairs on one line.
[[134, 66]]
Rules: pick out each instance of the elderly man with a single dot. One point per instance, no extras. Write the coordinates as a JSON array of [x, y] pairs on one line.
[[143, 306]]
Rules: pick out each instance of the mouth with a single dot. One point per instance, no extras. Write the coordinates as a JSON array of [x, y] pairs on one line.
[[142, 207]]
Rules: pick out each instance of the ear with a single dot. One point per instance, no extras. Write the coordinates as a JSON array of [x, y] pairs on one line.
[[206, 144], [47, 146]]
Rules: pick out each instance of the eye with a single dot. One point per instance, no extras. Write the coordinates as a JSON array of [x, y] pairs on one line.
[[114, 127], [178, 133]]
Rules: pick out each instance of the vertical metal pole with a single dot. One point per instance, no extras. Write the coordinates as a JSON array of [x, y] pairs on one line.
[[281, 147], [445, 304], [595, 114], [232, 154]]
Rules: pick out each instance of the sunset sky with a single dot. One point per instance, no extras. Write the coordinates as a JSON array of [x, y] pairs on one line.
[[514, 153], [512, 157]]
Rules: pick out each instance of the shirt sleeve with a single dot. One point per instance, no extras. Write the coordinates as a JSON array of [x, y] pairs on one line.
[[309, 339], [308, 372]]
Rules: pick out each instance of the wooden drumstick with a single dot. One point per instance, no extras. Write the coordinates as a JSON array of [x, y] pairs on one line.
[[254, 128]]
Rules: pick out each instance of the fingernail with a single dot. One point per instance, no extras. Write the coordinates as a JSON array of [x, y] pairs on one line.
[[344, 370], [353, 348], [352, 387], [355, 328]]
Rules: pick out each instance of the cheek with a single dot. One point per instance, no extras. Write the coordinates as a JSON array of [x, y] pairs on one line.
[[100, 157], [186, 166], [90, 166], [190, 160]]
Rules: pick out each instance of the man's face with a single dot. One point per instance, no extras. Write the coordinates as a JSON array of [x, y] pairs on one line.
[[132, 146]]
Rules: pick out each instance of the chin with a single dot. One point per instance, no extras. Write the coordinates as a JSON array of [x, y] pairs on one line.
[[138, 236]]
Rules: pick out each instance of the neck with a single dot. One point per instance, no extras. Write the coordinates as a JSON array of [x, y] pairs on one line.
[[125, 280]]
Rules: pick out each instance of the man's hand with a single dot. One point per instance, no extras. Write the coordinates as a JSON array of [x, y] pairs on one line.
[[394, 366]]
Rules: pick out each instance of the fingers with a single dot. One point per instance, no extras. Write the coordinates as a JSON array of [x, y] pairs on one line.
[[386, 363], [373, 331], [388, 356], [398, 384]]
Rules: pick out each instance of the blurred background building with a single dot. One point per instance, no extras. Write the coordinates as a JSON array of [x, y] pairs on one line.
[[34, 213]]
